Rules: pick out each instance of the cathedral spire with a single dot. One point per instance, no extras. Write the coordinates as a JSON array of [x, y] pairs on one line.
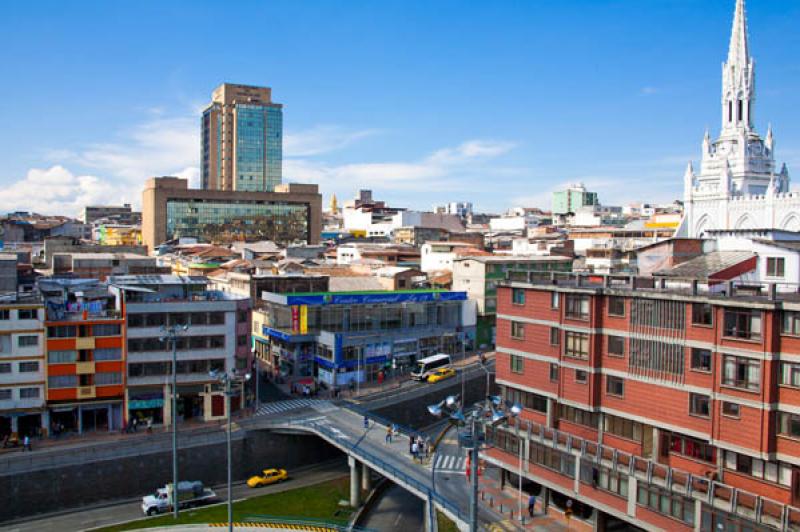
[[738, 52], [738, 77]]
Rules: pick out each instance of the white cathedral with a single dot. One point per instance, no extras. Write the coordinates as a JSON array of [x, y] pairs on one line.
[[737, 187]]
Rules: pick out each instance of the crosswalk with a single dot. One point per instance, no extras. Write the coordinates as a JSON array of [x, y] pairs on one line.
[[449, 463], [277, 407]]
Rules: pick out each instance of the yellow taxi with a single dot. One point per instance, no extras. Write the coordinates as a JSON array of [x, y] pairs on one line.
[[267, 477], [441, 374]]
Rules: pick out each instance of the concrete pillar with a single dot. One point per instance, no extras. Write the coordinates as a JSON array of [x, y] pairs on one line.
[[366, 480], [14, 425], [633, 490], [110, 414], [431, 524], [46, 422], [355, 482], [80, 420], [545, 494], [551, 413], [598, 521], [167, 408]]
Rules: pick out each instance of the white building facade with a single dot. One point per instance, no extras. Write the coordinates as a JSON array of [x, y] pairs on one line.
[[738, 186]]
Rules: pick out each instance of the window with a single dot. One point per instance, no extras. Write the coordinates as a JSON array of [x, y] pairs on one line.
[[107, 378], [576, 345], [5, 314], [553, 372], [155, 319], [62, 357], [27, 340], [517, 330], [5, 394], [577, 306], [526, 399], [5, 368], [555, 336], [790, 374], [27, 314], [743, 323], [789, 424], [616, 306], [241, 340], [62, 381], [616, 346], [775, 266], [730, 409], [741, 373], [135, 320], [791, 323], [28, 367], [108, 353], [216, 318], [693, 448], [29, 393], [604, 479], [61, 331], [517, 363], [581, 377], [665, 502], [518, 296], [550, 458], [701, 359], [107, 329], [702, 314], [699, 405], [578, 416], [241, 316], [198, 318], [615, 386], [555, 298], [622, 427]]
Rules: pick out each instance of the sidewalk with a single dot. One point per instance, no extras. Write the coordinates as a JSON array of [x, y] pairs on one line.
[[506, 503]]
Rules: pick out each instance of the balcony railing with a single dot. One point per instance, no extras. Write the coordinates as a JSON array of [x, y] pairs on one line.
[[712, 493]]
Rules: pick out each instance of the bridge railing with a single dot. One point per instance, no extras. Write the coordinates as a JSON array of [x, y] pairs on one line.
[[382, 466]]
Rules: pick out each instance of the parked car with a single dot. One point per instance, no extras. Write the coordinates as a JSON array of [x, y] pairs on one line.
[[267, 477]]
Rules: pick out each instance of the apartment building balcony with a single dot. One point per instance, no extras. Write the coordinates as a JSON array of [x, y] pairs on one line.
[[84, 368]]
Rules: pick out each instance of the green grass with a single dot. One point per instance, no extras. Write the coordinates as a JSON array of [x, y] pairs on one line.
[[320, 501], [444, 523]]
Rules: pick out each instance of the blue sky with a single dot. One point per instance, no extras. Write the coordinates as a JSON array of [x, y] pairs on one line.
[[424, 102]]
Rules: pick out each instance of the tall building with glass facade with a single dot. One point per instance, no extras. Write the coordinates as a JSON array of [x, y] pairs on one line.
[[242, 140]]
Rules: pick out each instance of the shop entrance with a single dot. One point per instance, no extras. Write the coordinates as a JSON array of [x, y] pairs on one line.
[[5, 427], [190, 406], [30, 425], [95, 419], [64, 420]]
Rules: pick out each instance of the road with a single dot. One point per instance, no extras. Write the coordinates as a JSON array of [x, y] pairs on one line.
[[130, 510], [396, 510]]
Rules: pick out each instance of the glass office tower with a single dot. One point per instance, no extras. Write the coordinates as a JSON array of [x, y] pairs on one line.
[[242, 140]]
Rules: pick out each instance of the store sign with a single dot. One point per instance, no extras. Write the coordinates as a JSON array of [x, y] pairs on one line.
[[143, 404], [303, 319], [295, 318]]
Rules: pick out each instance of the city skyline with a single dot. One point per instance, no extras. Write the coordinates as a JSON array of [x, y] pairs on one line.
[[355, 118]]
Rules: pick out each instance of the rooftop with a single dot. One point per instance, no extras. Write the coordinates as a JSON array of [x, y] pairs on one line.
[[157, 280], [709, 265], [515, 258]]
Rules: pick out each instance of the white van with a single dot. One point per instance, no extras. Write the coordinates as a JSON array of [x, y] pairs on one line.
[[428, 365]]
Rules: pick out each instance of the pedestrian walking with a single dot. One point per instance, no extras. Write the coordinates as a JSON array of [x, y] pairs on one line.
[[149, 425], [366, 422], [531, 505], [411, 445], [389, 434], [414, 450], [26, 444]]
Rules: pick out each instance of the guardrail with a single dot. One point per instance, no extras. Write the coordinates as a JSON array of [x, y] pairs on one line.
[[382, 466], [292, 521], [58, 456]]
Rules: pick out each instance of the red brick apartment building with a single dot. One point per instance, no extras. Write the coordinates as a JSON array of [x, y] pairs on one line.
[[666, 404]]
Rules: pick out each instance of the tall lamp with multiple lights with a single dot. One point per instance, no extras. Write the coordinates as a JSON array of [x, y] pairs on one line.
[[227, 379], [170, 334], [473, 431]]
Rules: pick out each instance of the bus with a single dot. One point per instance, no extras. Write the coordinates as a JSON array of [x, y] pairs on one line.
[[426, 366]]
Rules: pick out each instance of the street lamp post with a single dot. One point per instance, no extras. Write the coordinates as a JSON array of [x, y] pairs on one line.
[[170, 333], [227, 380], [497, 411]]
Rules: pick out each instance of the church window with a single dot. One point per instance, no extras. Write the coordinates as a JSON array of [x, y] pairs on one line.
[[739, 113], [730, 111]]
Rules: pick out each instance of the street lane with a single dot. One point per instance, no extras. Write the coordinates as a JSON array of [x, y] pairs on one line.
[[396, 510], [130, 510]]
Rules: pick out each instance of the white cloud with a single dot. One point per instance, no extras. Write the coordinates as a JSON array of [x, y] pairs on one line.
[[56, 190], [647, 91], [321, 139]]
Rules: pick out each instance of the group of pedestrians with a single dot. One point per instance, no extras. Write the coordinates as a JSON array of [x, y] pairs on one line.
[[419, 447]]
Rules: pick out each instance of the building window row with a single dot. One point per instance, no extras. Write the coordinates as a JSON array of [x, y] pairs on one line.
[[622, 427], [182, 343], [743, 323], [84, 331], [657, 314], [547, 457], [656, 359], [22, 314], [692, 447], [6, 394], [578, 416], [739, 372], [665, 502], [526, 399], [604, 479], [159, 319], [777, 472], [157, 369]]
